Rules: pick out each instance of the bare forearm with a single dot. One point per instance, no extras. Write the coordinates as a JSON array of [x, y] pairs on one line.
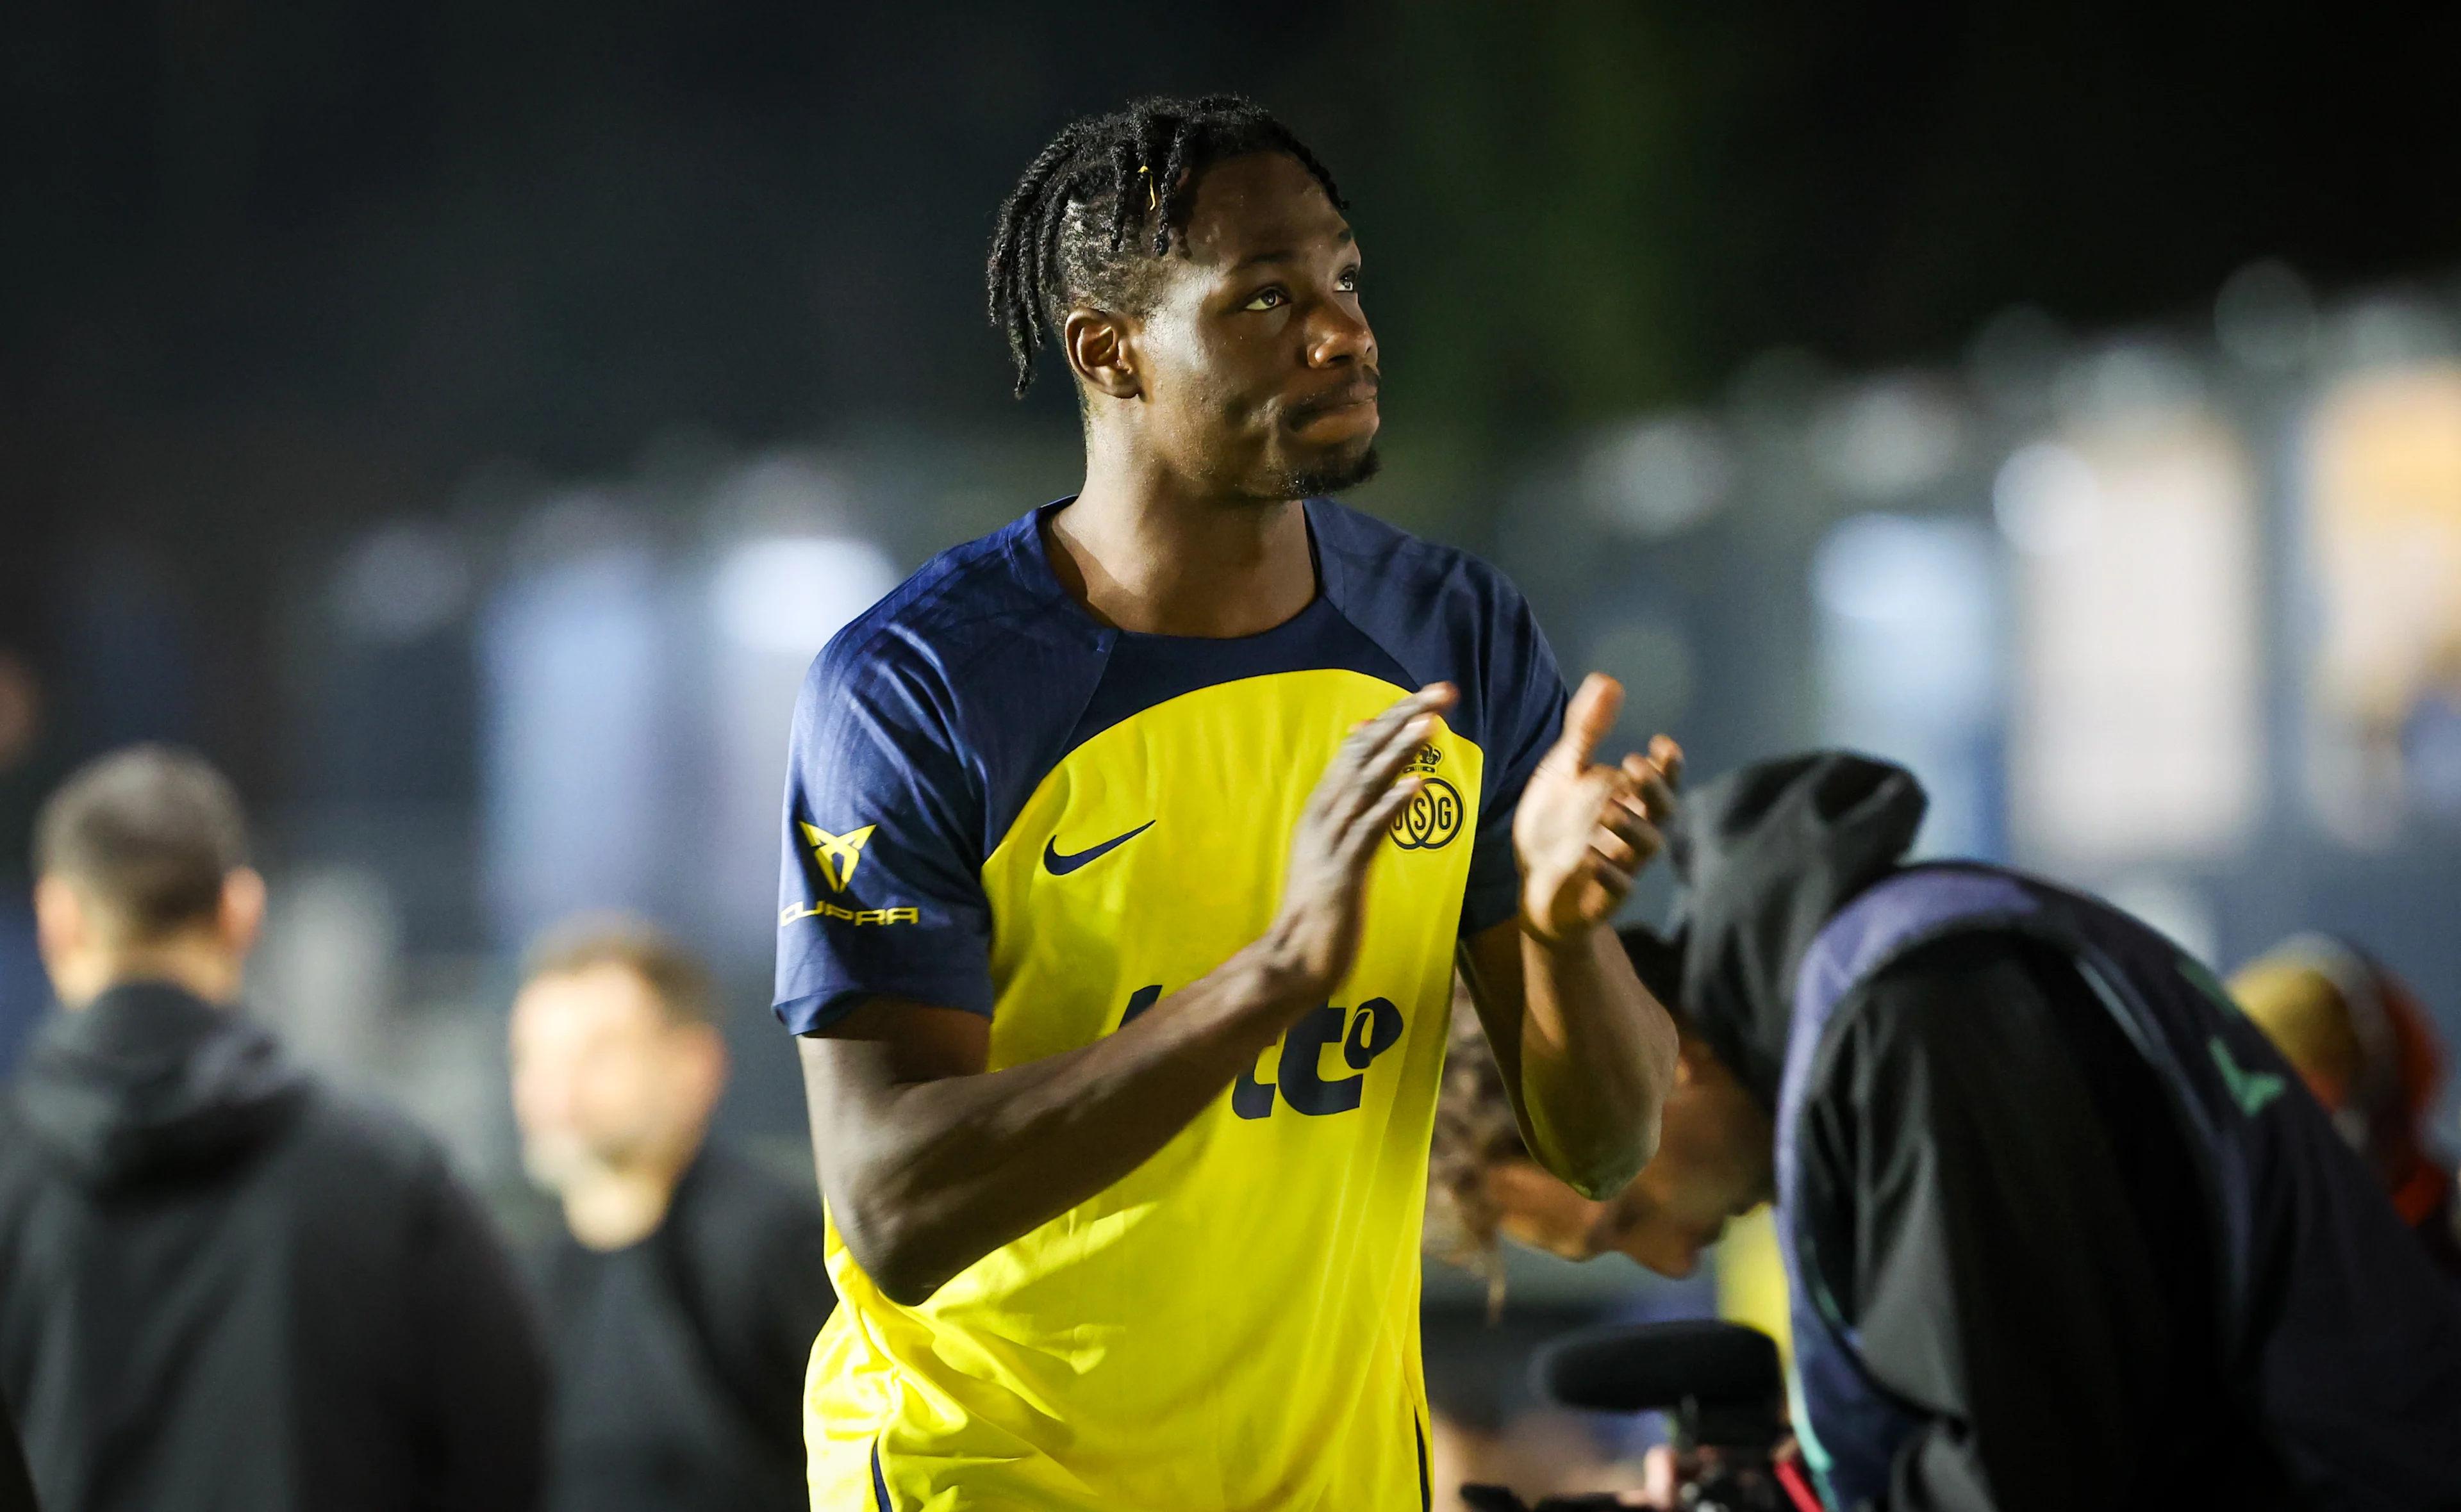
[[1596, 1056], [927, 1177]]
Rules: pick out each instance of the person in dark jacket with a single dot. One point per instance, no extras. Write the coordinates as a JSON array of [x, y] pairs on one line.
[[2062, 1229], [222, 1284], [685, 1294]]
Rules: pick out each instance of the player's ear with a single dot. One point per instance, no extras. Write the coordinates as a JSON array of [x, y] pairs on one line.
[[1102, 351]]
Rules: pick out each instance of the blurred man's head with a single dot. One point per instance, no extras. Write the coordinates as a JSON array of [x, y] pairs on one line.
[[141, 874], [1713, 1164], [617, 1059]]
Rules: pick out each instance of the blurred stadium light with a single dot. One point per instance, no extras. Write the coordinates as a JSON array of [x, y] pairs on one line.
[[405, 582], [2265, 318], [1658, 477], [1884, 441]]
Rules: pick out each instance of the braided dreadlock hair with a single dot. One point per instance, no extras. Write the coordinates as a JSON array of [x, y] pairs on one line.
[[1064, 232]]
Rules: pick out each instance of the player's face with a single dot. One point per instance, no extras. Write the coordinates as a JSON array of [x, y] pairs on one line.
[[1258, 369], [1713, 1164]]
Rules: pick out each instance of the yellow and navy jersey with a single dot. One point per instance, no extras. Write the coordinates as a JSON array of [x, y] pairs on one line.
[[999, 805]]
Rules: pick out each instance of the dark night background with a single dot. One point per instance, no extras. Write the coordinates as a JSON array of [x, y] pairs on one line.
[[271, 263]]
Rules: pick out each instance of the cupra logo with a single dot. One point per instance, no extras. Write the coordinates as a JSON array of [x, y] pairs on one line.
[[838, 854]]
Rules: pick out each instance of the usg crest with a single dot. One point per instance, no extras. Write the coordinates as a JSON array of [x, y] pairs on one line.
[[1434, 815]]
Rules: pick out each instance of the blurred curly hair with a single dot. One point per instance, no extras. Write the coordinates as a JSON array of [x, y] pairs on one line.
[[1476, 1129], [1475, 1132]]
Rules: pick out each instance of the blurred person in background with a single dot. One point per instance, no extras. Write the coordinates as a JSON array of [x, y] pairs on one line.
[[222, 1284], [1482, 1185], [684, 1295], [1125, 876], [2366, 1047], [2062, 1229], [29, 767]]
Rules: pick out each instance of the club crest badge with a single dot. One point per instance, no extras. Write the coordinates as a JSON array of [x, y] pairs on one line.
[[1435, 815]]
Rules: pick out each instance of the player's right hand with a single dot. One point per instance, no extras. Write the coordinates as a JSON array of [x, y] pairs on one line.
[[1315, 938]]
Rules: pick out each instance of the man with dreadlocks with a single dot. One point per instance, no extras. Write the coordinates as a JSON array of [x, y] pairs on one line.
[[1129, 853]]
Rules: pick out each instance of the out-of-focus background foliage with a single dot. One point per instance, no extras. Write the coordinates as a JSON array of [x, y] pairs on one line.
[[464, 421]]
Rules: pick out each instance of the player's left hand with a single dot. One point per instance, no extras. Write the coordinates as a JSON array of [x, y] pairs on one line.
[[1585, 829]]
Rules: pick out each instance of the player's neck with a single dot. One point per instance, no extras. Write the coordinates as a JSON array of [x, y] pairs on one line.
[[1145, 553]]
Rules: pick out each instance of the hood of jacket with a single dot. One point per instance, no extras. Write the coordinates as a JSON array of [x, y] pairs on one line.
[[1762, 858], [150, 1083]]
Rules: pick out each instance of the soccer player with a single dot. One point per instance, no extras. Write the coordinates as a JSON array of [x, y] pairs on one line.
[[1129, 853]]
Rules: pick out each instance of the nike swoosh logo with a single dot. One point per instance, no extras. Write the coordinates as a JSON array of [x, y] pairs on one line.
[[1060, 866]]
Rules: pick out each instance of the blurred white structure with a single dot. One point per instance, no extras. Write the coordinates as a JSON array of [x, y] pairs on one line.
[[2136, 730], [776, 602], [576, 764], [2383, 526], [1910, 656]]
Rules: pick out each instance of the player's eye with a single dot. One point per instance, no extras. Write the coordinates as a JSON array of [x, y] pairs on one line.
[[1267, 299], [1348, 281]]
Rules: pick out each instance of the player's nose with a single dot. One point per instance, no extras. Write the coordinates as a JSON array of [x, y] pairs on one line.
[[1337, 336]]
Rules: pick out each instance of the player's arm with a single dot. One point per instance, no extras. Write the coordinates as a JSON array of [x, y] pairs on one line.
[[1587, 1054], [929, 1162]]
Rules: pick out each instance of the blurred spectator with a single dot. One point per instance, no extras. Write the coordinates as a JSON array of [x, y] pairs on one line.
[[1483, 1188], [222, 1285], [2367, 1051], [28, 767], [685, 1296], [1483, 1182]]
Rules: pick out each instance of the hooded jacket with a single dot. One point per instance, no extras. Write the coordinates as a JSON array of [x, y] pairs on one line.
[[2016, 1221], [224, 1286], [1766, 857]]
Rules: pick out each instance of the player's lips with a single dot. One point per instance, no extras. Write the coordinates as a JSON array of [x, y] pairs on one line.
[[1348, 408]]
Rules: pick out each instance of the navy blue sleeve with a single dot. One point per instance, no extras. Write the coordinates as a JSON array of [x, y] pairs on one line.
[[1524, 697], [880, 892]]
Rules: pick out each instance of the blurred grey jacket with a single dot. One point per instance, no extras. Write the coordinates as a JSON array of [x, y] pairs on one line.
[[222, 1286]]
